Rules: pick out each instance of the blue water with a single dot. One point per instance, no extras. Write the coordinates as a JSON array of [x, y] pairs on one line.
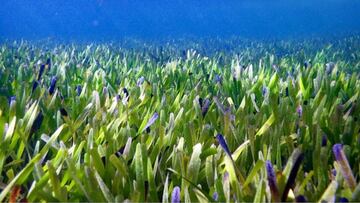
[[99, 20]]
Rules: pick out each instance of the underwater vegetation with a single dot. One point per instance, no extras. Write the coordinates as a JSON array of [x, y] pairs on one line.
[[215, 120]]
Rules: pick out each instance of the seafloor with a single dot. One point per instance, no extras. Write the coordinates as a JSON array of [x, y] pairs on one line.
[[185, 120]]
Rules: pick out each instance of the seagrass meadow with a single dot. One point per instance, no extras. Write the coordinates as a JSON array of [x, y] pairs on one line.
[[188, 120]]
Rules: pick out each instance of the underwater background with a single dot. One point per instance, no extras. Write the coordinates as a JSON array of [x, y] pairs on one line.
[[180, 101], [103, 20]]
